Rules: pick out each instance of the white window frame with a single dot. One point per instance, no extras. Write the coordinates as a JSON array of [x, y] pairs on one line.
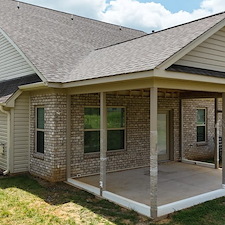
[[110, 129], [201, 125], [39, 129]]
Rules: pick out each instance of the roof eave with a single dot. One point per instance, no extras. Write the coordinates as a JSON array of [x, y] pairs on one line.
[[108, 79]]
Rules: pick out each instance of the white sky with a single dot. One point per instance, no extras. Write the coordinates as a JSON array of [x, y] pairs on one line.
[[144, 15]]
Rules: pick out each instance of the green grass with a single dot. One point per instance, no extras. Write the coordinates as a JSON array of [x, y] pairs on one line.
[[209, 213], [28, 201]]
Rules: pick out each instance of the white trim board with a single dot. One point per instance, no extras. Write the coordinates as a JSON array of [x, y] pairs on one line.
[[189, 202], [124, 202], [83, 186], [145, 209]]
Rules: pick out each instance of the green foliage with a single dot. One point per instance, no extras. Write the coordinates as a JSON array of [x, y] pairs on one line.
[[115, 118]]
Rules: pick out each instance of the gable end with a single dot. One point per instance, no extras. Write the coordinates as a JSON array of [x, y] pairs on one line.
[[209, 55], [12, 64]]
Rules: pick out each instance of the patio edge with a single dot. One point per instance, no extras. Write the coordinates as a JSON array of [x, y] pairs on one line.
[[189, 202]]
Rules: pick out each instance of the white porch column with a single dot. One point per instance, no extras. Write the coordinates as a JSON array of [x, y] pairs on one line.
[[223, 140], [153, 151], [103, 141], [216, 137]]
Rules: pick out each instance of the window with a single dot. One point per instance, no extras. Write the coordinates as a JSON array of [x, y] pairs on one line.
[[201, 125], [115, 129], [92, 130], [39, 129]]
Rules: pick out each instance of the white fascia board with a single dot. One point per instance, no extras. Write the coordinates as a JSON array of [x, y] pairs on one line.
[[11, 101], [23, 55], [160, 73], [102, 80], [181, 53]]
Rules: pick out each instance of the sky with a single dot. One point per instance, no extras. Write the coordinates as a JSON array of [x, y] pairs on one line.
[[146, 15]]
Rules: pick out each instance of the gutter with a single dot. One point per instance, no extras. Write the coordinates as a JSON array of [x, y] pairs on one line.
[[8, 140], [33, 86]]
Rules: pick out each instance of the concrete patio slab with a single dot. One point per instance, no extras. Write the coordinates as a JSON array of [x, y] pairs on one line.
[[177, 181]]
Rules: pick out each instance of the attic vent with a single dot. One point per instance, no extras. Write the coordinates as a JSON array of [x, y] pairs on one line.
[[18, 5], [71, 17]]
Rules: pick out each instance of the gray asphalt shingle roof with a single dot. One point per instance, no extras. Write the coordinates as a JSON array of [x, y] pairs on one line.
[[9, 87], [66, 50], [52, 41], [142, 54]]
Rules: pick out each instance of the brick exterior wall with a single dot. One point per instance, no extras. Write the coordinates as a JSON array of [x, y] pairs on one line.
[[192, 149], [137, 133], [52, 164]]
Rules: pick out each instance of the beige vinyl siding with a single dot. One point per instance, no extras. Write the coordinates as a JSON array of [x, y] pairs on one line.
[[3, 140], [12, 64], [208, 55], [21, 134]]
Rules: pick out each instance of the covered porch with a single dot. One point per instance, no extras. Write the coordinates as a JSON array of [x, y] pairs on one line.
[[180, 185], [155, 189]]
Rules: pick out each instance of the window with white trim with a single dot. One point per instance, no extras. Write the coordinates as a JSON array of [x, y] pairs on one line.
[[115, 129], [201, 125], [40, 129]]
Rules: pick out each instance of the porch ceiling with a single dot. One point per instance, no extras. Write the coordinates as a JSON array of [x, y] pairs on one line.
[[177, 181]]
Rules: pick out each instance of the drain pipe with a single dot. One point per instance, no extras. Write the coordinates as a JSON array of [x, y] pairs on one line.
[[8, 139]]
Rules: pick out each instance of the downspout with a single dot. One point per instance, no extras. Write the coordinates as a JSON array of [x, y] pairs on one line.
[[8, 139]]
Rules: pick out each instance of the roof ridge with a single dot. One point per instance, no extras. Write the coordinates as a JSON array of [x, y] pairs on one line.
[[83, 17], [155, 32], [192, 21]]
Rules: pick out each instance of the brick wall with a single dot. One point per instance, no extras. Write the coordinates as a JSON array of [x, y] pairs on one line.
[[52, 164], [192, 149], [137, 133]]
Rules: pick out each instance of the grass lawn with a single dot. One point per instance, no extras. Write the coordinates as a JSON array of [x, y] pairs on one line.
[[28, 201]]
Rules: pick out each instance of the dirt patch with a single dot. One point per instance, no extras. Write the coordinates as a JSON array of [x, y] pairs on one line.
[[164, 221]]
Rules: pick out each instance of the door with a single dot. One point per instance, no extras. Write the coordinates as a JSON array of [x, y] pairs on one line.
[[163, 135]]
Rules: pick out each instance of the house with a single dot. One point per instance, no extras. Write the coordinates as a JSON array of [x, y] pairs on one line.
[[81, 100]]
